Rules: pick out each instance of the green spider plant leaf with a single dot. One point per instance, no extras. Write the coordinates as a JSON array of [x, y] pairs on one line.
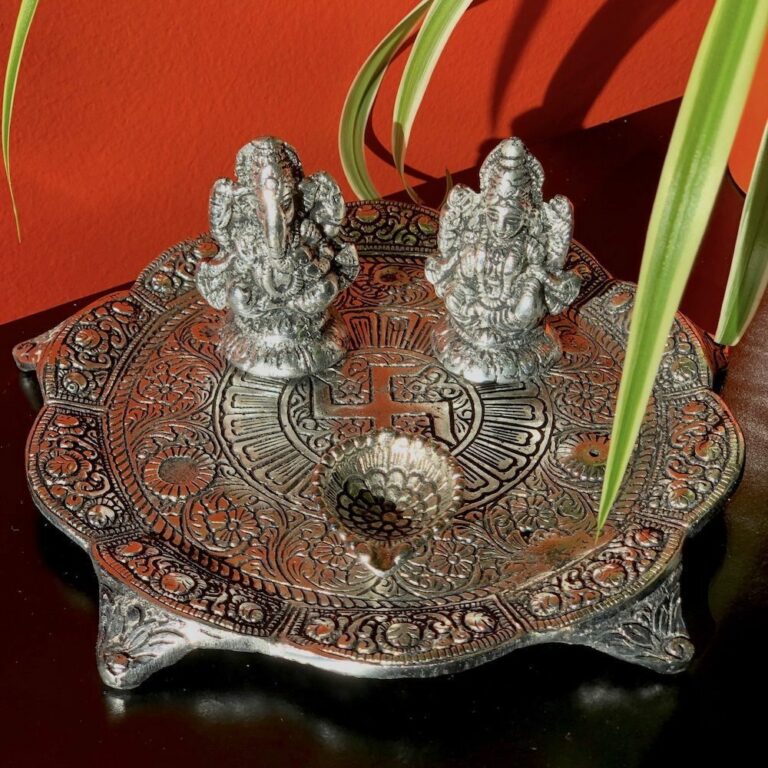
[[693, 170], [434, 33], [23, 23], [359, 103], [749, 270]]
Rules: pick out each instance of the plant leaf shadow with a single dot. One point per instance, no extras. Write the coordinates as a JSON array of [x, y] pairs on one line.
[[581, 74], [577, 83]]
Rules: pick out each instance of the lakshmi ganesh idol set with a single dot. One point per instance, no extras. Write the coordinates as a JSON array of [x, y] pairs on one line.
[[359, 438]]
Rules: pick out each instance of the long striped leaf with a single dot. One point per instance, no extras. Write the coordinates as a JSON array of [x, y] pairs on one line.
[[359, 102], [434, 33], [693, 169], [749, 271], [23, 23]]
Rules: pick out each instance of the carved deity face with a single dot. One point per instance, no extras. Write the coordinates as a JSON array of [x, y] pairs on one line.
[[276, 181], [504, 219], [270, 166], [280, 187]]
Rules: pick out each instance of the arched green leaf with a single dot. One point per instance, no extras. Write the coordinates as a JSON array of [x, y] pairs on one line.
[[359, 102], [429, 44], [23, 23]]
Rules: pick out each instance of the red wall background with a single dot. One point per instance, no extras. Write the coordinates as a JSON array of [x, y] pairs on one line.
[[126, 112]]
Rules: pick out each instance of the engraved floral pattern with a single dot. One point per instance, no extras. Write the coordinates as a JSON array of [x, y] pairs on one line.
[[178, 471], [700, 445], [247, 610], [72, 470], [70, 465], [173, 273], [323, 629], [622, 562], [221, 522], [403, 634], [179, 585], [93, 345], [166, 388], [331, 551], [102, 514], [394, 285], [390, 276], [233, 526], [532, 513], [170, 580], [583, 455], [382, 635], [679, 367], [299, 548], [586, 399], [389, 226], [452, 559], [535, 513], [265, 562]]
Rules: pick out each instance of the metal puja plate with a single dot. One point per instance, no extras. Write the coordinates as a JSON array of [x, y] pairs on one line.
[[191, 484]]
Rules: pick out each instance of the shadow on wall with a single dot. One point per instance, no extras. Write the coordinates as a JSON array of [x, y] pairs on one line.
[[522, 27], [581, 76], [577, 83]]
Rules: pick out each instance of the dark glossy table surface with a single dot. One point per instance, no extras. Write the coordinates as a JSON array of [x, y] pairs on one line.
[[547, 705]]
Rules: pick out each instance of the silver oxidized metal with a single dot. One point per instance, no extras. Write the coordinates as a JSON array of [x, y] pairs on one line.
[[501, 271], [190, 481], [386, 493], [280, 263]]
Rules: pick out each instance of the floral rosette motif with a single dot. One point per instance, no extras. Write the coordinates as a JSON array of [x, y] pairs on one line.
[[587, 400], [222, 523], [171, 388], [447, 564], [177, 584], [582, 456], [178, 471]]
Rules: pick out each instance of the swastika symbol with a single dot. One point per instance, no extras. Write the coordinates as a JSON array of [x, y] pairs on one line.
[[382, 405]]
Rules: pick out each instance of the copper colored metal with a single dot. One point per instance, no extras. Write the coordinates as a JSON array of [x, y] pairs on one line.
[[189, 481]]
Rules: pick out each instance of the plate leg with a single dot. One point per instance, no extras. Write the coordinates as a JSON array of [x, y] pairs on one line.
[[136, 637], [649, 632], [27, 354]]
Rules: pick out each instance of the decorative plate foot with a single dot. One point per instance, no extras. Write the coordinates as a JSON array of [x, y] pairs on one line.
[[27, 354], [136, 637], [649, 632]]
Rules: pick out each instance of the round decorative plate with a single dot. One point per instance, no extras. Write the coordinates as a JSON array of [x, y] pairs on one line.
[[190, 483]]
